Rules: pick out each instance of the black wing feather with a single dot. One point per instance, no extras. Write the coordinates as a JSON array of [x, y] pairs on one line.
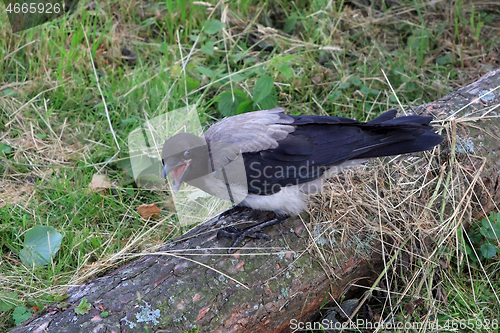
[[320, 142]]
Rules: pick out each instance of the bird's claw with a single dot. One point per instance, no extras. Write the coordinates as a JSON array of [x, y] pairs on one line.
[[233, 210], [252, 232]]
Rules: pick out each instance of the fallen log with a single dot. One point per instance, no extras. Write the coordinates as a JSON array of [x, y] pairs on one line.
[[195, 283], [192, 283]]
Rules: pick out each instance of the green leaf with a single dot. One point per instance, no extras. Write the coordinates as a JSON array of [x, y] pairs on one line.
[[475, 236], [238, 56], [7, 301], [488, 250], [5, 149], [190, 84], [41, 136], [356, 80], [201, 38], [41, 243], [269, 102], [490, 229], [58, 298], [286, 71], [164, 47], [205, 71], [335, 95], [444, 60], [288, 58], [244, 107], [229, 102], [36, 303], [468, 250], [8, 92], [20, 315], [208, 48], [238, 77], [104, 314], [83, 307], [249, 61], [344, 85], [213, 26], [263, 88], [410, 86], [290, 23]]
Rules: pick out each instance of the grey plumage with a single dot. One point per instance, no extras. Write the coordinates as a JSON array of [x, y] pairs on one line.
[[268, 160]]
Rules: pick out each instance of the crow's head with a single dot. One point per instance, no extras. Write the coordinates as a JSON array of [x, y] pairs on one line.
[[186, 156]]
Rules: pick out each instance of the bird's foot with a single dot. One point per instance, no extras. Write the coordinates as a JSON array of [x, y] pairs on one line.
[[235, 209], [252, 232]]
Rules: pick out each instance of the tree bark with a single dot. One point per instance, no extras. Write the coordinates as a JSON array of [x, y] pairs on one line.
[[192, 283]]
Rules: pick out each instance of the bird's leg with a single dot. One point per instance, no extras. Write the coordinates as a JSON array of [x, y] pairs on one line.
[[235, 209], [252, 232]]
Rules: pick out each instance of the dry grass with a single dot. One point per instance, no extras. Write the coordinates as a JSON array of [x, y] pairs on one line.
[[413, 211]]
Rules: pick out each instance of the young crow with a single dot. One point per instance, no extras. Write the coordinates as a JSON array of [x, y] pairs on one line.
[[267, 160]]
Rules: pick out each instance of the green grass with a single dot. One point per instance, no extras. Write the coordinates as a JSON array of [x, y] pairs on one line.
[[328, 58]]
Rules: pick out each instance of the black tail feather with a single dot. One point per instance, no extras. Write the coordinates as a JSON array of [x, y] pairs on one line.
[[422, 142], [386, 136]]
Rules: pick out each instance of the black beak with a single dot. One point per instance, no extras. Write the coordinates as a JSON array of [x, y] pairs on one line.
[[178, 172]]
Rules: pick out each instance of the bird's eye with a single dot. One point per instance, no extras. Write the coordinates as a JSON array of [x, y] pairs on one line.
[[186, 153]]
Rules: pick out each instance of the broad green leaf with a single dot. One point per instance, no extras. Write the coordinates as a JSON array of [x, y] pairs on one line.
[[205, 71], [244, 107], [190, 84], [249, 61], [213, 26], [356, 80], [229, 102], [490, 229], [5, 149], [7, 301], [411, 86], [488, 250], [263, 88], [58, 298], [269, 102], [344, 85], [238, 77], [290, 23], [200, 39], [475, 236], [288, 58], [238, 56], [8, 92], [20, 315], [444, 60], [286, 71], [41, 243], [208, 48]]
